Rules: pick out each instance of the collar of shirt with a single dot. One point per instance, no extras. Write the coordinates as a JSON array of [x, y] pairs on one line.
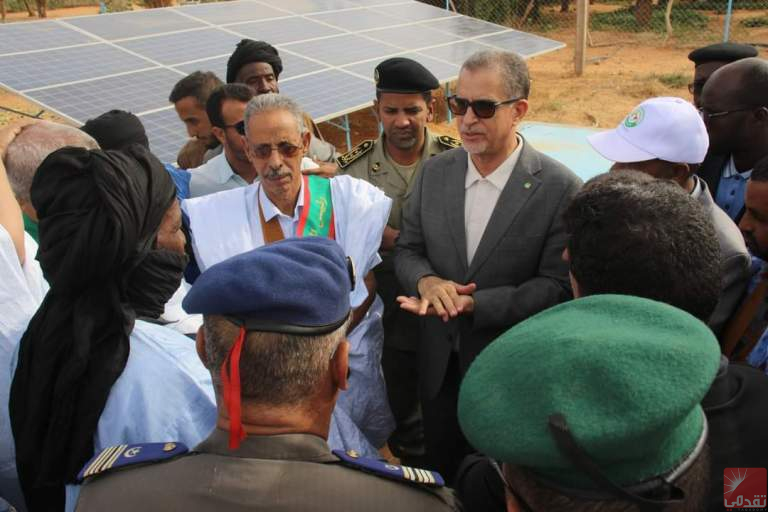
[[731, 172], [696, 192], [220, 170], [300, 447], [271, 211], [499, 177]]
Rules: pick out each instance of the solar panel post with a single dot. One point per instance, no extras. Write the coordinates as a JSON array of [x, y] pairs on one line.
[[449, 114]]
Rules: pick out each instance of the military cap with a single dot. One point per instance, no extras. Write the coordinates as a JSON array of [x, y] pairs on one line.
[[295, 286], [722, 52], [405, 76], [611, 379]]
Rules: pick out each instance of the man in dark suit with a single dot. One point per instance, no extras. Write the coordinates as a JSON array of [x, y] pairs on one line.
[[481, 240], [734, 105]]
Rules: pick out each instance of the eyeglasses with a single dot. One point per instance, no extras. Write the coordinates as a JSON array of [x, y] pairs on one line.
[[286, 150], [706, 114], [483, 109]]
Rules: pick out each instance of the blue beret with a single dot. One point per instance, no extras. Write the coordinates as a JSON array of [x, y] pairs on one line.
[[295, 286]]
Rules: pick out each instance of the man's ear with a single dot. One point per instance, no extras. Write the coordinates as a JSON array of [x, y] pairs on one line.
[[218, 133], [521, 109], [431, 110], [305, 139], [681, 172], [200, 345], [376, 110], [340, 366]]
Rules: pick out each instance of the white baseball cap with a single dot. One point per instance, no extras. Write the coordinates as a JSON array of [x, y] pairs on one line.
[[666, 128]]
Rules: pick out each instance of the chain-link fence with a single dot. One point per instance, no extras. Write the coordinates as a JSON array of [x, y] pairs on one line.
[[618, 21]]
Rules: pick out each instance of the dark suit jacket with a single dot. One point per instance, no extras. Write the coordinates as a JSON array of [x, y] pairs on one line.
[[710, 170], [517, 266]]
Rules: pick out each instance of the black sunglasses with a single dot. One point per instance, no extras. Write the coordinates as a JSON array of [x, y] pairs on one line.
[[483, 109], [240, 127]]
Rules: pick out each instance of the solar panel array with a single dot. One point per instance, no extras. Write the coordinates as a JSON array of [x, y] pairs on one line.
[[81, 67]]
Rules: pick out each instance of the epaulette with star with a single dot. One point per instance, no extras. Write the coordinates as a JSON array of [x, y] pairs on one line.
[[449, 142], [354, 153], [123, 455], [384, 469]]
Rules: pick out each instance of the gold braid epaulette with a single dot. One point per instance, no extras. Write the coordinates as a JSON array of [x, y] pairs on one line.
[[355, 153], [449, 142]]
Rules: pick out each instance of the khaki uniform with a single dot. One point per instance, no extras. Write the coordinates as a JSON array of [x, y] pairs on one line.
[[370, 162], [281, 473]]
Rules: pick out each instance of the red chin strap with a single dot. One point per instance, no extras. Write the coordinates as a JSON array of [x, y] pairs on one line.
[[231, 384]]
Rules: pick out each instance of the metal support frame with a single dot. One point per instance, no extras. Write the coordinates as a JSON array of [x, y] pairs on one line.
[[728, 17], [449, 114], [345, 127]]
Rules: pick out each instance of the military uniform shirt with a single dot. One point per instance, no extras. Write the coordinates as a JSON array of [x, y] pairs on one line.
[[280, 473], [370, 162]]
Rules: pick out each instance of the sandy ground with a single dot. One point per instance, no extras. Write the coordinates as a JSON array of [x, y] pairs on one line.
[[620, 73]]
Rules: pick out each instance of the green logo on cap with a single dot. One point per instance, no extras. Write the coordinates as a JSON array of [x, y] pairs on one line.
[[634, 118]]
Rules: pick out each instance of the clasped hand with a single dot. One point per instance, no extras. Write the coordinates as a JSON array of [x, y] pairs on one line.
[[440, 297]]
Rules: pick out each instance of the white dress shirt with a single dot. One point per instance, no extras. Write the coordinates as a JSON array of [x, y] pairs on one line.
[[216, 175], [482, 194]]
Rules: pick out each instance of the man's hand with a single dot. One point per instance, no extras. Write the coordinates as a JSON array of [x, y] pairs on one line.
[[440, 297], [324, 169], [389, 238], [465, 305]]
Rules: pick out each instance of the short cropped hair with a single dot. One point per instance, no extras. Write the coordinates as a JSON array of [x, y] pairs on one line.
[[631, 234], [198, 85], [237, 92], [35, 142], [511, 67], [275, 369], [270, 102], [694, 482], [760, 171]]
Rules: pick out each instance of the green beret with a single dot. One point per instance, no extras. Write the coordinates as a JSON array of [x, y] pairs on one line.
[[627, 374], [404, 76]]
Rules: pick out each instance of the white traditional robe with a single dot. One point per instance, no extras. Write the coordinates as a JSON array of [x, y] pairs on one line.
[[227, 223]]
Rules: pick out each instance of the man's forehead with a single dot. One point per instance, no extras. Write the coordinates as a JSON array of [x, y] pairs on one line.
[[257, 69], [270, 125], [399, 100]]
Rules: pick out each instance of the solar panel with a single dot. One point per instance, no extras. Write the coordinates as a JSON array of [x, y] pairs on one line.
[[36, 35], [23, 71], [87, 65], [134, 24], [174, 48], [235, 12], [134, 92]]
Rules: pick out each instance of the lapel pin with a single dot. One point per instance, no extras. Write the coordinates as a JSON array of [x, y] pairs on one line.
[[527, 184]]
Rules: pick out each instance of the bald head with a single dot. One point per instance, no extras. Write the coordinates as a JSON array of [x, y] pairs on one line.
[[28, 150], [745, 81], [735, 106]]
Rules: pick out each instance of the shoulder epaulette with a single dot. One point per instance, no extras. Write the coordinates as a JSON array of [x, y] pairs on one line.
[[129, 454], [384, 469], [354, 153], [448, 141]]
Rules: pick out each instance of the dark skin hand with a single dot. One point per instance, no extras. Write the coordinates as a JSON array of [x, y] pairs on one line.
[[360, 311], [440, 297]]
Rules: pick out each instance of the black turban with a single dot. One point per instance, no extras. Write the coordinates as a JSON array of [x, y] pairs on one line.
[[248, 51], [99, 216], [116, 129]]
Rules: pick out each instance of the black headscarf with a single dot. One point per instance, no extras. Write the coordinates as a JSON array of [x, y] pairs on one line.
[[248, 51], [99, 216], [116, 129]]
